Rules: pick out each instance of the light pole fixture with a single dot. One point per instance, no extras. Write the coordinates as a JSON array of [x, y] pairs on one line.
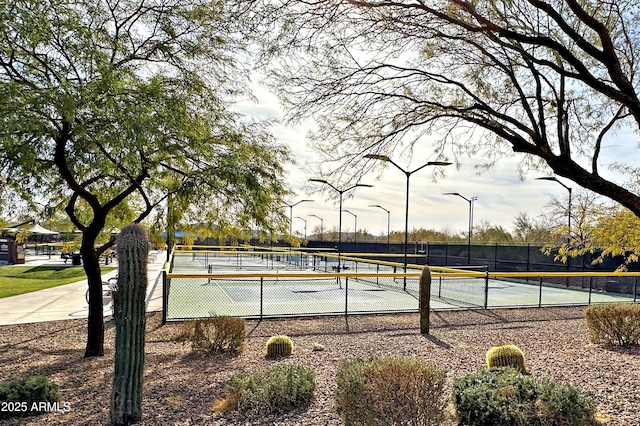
[[321, 225], [408, 174], [470, 201], [388, 224], [291, 206], [305, 226], [553, 178], [355, 232], [340, 192]]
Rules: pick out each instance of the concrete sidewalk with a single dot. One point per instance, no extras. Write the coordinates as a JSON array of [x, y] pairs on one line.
[[68, 301]]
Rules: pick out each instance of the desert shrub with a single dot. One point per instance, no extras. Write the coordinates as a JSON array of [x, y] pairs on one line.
[[614, 324], [506, 397], [17, 397], [279, 345], [506, 356], [390, 391], [215, 334], [276, 389]]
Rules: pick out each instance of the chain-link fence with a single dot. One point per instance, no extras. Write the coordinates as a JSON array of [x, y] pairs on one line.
[[511, 257], [257, 284], [521, 257], [285, 295]]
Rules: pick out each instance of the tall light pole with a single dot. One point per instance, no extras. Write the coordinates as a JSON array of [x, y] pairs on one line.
[[553, 178], [340, 192], [321, 225], [388, 224], [355, 241], [470, 201], [305, 226], [291, 206], [406, 207], [355, 233]]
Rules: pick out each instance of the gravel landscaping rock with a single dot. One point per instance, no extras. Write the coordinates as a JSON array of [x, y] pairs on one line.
[[180, 386]]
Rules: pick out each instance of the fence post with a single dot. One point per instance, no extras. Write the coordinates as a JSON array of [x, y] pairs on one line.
[[261, 295], [428, 251], [165, 296], [446, 254], [635, 289], [346, 295], [540, 293], [486, 289], [424, 298], [590, 286]]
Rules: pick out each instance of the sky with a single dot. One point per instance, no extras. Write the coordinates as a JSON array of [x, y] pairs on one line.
[[501, 194]]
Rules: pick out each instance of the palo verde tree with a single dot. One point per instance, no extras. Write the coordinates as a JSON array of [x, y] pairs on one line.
[[597, 227], [108, 107], [617, 233], [550, 80]]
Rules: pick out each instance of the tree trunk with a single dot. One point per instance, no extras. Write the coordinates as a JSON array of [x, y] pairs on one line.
[[95, 319], [425, 299]]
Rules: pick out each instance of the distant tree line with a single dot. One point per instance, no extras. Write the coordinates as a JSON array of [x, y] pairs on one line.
[[597, 226]]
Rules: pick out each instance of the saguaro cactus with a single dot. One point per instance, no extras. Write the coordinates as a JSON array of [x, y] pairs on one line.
[[424, 294], [129, 314]]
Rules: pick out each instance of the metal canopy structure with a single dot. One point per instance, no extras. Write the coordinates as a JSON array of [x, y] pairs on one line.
[[33, 229], [39, 230]]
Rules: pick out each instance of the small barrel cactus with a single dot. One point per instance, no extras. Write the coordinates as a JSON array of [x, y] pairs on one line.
[[506, 356], [279, 345]]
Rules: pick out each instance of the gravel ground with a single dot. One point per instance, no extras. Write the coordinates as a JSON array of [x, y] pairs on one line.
[[180, 386]]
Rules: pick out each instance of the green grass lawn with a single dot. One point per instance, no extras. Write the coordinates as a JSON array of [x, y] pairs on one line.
[[25, 279]]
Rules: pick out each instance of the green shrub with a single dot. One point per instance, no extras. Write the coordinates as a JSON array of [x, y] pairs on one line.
[[614, 324], [276, 389], [215, 334], [279, 345], [18, 396], [390, 391], [506, 397]]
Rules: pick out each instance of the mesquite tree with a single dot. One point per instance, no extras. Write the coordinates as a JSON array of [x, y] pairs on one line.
[[549, 80], [109, 107], [129, 314]]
